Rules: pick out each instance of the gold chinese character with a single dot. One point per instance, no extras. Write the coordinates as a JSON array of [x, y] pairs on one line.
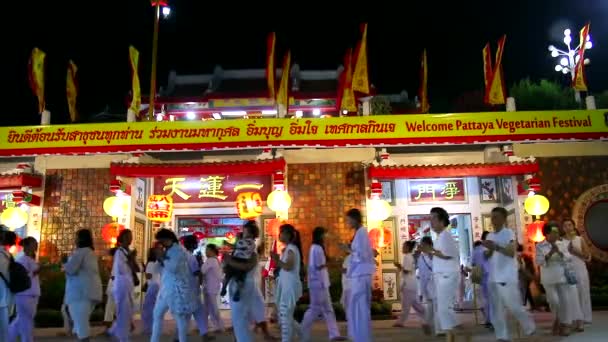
[[449, 190], [176, 188], [425, 189], [211, 187]]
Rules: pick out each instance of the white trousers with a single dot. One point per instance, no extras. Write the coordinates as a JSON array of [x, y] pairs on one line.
[[359, 306], [160, 309], [23, 325], [3, 323], [507, 296], [584, 292], [80, 312], [242, 311], [147, 315], [121, 328], [445, 296], [409, 300], [110, 309], [320, 304], [557, 297], [200, 317], [574, 305], [212, 311], [287, 323]]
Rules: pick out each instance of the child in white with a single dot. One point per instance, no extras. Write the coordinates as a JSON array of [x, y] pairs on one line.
[[289, 285], [345, 284], [153, 272], [212, 283], [190, 244], [27, 301], [504, 279], [122, 287], [318, 284], [409, 288], [425, 280]]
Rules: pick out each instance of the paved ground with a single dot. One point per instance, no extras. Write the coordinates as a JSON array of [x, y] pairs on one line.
[[383, 331]]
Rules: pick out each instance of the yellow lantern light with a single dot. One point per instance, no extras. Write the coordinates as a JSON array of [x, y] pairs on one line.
[[116, 206], [278, 200], [14, 217], [378, 210], [536, 205]]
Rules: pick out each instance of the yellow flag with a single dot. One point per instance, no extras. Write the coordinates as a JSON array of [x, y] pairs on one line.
[[135, 87], [579, 82], [424, 96], [283, 93], [72, 90], [497, 93], [270, 69], [348, 101], [360, 74], [36, 76]]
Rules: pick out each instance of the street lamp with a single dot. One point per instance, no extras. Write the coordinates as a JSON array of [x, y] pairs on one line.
[[568, 59], [159, 5]]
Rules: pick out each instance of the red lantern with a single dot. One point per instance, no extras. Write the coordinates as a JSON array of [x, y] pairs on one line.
[[272, 228], [535, 231], [380, 238], [159, 208], [198, 235], [249, 205], [110, 232], [230, 235]]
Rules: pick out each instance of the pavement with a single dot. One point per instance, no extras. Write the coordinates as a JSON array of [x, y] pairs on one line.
[[383, 331]]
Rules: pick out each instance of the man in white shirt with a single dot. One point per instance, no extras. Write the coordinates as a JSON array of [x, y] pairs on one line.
[[504, 278], [446, 268]]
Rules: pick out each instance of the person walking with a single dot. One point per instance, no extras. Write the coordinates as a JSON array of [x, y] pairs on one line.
[[153, 271], [480, 264], [212, 282], [580, 255], [7, 239], [27, 301]]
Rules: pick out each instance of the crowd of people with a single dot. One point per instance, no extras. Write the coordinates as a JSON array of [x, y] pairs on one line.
[[179, 282]]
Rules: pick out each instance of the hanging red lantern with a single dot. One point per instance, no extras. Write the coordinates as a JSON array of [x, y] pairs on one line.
[[272, 228], [535, 231], [380, 238], [249, 205], [199, 235], [110, 232]]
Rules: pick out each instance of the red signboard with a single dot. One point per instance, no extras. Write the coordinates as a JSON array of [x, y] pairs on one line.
[[211, 188], [437, 190]]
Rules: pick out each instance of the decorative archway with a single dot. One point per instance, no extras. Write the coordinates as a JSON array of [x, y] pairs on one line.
[[587, 206]]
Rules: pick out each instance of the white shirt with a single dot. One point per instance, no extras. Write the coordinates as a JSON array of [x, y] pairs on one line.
[[345, 281], [408, 280], [154, 269], [447, 246], [552, 270], [212, 276], [317, 278], [31, 266], [502, 268], [362, 261]]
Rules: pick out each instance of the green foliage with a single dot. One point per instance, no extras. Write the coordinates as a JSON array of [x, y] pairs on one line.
[[52, 281], [381, 105], [545, 95], [601, 100]]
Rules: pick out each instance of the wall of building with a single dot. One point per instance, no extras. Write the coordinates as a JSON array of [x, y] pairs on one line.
[[321, 194]]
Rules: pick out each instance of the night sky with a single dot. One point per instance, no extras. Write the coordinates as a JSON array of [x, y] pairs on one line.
[[200, 34]]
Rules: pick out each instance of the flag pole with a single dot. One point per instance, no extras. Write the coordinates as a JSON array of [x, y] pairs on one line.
[[154, 58]]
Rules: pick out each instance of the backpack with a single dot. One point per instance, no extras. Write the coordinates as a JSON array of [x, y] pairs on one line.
[[20, 279]]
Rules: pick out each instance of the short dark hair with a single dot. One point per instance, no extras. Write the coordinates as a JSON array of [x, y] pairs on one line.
[[9, 238], [151, 254], [213, 248], [84, 238], [122, 234], [166, 234], [289, 229], [501, 211], [27, 241], [477, 243], [548, 227], [442, 215], [355, 214], [484, 235], [317, 235], [520, 247], [411, 244], [252, 227], [427, 240], [190, 242]]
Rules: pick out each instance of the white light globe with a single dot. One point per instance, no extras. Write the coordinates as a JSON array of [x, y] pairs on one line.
[[565, 71], [563, 61], [567, 32], [587, 61], [558, 68], [191, 115], [551, 47], [567, 40], [588, 45], [166, 11], [554, 53]]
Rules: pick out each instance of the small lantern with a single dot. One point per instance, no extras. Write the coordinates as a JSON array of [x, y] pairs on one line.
[[536, 205], [249, 205], [116, 206], [378, 209], [159, 208], [110, 232], [14, 217], [278, 200], [535, 233]]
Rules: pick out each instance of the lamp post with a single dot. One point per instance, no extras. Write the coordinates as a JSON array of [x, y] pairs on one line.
[[166, 10], [568, 59]]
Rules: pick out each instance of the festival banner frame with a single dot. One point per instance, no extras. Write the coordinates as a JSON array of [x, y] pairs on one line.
[[381, 130]]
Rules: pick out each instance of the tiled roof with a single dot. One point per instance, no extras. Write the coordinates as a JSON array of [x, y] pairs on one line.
[[453, 170]]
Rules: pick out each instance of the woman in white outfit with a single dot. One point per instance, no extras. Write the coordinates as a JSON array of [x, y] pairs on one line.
[[153, 272], [345, 284], [551, 256], [123, 286], [83, 285], [580, 255], [175, 293]]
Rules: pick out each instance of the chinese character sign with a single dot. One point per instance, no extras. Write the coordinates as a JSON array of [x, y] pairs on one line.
[[159, 208], [437, 190], [210, 188], [249, 205]]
